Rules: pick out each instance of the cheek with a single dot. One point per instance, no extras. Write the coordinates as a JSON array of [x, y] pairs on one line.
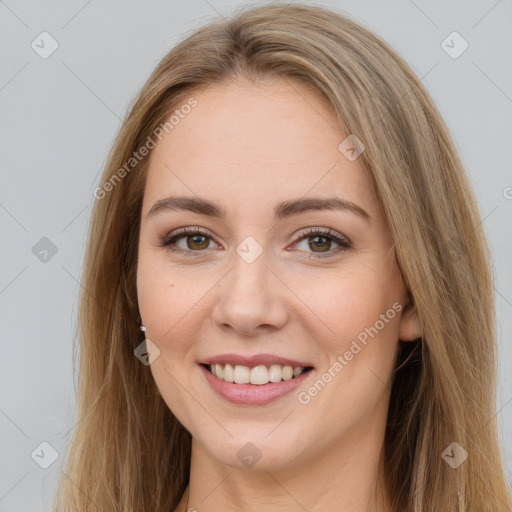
[[158, 288], [364, 312], [350, 303], [166, 303], [172, 303], [359, 357]]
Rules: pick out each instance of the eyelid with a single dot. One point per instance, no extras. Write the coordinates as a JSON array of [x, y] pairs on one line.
[[188, 230], [185, 232], [328, 232]]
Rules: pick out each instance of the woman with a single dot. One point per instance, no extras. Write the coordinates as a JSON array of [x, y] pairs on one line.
[[287, 301]]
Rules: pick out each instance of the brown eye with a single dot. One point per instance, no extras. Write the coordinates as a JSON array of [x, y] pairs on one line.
[[196, 241], [196, 244], [320, 241]]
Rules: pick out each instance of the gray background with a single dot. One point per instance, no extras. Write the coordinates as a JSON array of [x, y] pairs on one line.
[[59, 117]]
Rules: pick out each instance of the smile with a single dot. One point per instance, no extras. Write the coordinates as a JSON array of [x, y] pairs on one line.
[[257, 375], [247, 393]]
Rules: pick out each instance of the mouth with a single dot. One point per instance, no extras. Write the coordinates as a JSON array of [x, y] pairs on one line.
[[259, 375]]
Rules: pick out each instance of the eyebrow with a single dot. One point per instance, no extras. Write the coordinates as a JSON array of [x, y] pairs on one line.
[[282, 210]]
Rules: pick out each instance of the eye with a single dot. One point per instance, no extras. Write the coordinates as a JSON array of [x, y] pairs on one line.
[[196, 241], [323, 238]]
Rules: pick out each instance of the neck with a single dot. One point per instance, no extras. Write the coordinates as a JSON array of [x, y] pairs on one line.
[[346, 477]]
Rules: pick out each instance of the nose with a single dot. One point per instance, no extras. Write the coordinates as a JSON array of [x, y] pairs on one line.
[[251, 298]]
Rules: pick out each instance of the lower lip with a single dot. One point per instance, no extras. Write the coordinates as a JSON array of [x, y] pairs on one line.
[[252, 394]]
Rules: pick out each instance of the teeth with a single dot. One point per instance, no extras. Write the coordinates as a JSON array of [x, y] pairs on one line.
[[275, 373], [241, 375], [257, 375], [228, 372], [219, 371], [287, 372]]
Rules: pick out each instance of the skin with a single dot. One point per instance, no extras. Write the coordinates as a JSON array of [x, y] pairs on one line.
[[249, 146]]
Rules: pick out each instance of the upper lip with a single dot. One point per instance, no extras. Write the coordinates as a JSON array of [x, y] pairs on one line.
[[254, 360]]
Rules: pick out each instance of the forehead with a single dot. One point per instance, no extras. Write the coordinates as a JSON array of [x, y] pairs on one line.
[[254, 143]]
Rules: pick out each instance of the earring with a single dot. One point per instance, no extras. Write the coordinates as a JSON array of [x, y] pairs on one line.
[[147, 351]]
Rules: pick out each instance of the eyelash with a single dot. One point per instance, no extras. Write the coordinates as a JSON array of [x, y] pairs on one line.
[[170, 239]]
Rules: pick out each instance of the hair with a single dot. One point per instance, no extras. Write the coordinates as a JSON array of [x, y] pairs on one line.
[[128, 451]]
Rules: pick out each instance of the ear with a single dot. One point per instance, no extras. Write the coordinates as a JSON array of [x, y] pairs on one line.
[[409, 325]]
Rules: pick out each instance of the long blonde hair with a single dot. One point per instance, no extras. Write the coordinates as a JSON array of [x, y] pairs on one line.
[[128, 452]]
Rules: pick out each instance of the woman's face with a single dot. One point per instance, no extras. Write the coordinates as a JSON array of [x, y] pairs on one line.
[[258, 281]]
